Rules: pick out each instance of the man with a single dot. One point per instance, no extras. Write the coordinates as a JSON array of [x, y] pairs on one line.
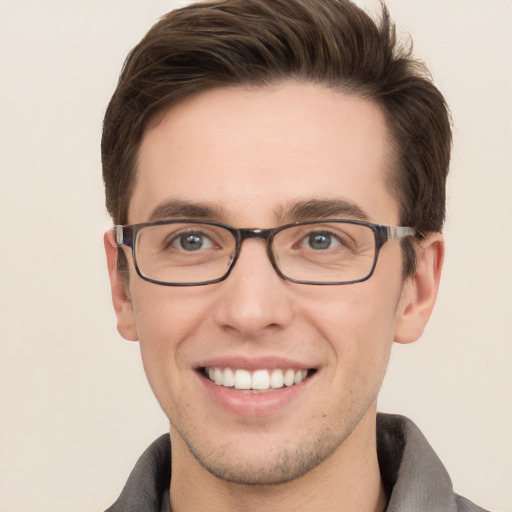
[[276, 173]]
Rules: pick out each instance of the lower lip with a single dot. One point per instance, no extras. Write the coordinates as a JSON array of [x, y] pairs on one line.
[[254, 404]]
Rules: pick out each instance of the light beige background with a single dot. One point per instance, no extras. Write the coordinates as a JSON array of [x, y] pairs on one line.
[[75, 409]]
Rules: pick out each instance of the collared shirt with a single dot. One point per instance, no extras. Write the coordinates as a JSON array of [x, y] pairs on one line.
[[411, 471]]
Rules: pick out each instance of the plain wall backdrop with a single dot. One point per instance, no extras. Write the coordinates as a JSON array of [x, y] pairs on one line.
[[75, 408]]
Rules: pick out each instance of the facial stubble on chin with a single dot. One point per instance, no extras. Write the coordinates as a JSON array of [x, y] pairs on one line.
[[279, 468]]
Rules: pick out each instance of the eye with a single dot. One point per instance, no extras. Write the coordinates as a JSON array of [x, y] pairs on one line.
[[320, 241], [191, 241]]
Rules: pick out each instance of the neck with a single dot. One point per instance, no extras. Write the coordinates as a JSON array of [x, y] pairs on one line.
[[348, 480]]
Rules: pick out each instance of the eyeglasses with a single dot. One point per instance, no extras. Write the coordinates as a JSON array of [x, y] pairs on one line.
[[319, 252]]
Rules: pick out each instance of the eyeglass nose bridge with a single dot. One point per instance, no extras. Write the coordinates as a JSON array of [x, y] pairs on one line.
[[265, 234], [245, 233]]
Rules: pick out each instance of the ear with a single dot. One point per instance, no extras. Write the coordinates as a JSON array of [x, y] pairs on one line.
[[420, 290], [120, 295]]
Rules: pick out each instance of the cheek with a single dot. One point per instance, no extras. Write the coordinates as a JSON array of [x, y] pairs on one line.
[[359, 327], [166, 315], [165, 319]]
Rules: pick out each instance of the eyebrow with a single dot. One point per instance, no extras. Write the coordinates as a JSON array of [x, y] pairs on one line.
[[177, 208], [321, 209], [292, 212]]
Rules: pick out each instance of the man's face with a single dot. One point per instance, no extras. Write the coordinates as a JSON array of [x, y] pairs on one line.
[[251, 156]]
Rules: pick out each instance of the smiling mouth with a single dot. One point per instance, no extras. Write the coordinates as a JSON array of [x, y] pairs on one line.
[[257, 381]]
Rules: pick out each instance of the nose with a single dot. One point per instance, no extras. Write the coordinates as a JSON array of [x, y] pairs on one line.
[[254, 298]]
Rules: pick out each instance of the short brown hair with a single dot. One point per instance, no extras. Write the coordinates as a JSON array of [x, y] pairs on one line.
[[259, 42]]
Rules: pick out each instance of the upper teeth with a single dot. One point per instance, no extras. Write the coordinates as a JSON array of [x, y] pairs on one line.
[[259, 379]]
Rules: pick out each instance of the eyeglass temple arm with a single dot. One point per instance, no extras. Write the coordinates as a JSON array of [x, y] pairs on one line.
[[123, 235], [118, 230], [396, 232]]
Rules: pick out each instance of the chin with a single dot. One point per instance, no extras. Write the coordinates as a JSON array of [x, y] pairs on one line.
[[264, 466]]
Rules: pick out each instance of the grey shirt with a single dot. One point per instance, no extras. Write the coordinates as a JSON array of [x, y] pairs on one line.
[[413, 474]]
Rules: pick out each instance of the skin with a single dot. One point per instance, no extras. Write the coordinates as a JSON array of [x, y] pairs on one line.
[[251, 153]]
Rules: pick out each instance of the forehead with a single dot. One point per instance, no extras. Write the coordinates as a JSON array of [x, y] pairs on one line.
[[249, 154]]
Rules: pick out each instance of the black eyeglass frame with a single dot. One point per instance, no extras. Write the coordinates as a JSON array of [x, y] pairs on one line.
[[127, 236]]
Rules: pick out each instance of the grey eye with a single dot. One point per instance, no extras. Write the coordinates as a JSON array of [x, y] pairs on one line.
[[192, 241], [320, 241]]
